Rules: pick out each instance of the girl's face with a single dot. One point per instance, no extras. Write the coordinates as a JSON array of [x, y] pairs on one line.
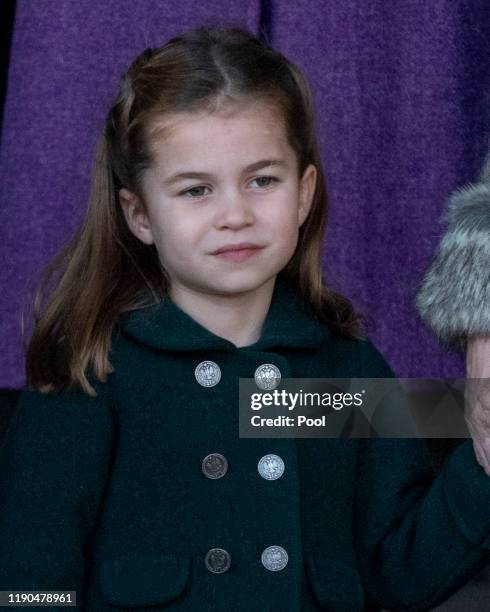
[[219, 180]]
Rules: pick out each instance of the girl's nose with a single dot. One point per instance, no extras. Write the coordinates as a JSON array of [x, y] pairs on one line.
[[235, 211]]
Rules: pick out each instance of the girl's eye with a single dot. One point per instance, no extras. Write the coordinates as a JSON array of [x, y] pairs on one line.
[[272, 179], [196, 192], [193, 191]]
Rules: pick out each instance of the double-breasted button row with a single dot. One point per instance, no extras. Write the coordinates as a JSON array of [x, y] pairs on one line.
[[215, 465], [273, 558], [267, 376]]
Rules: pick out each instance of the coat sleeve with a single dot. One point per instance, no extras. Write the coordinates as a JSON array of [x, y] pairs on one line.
[[419, 537], [54, 466]]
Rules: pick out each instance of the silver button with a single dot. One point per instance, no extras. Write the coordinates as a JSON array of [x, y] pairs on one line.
[[207, 373], [214, 465], [271, 467], [217, 560], [274, 558], [267, 376]]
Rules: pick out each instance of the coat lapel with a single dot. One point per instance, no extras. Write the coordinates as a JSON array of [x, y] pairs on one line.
[[289, 323]]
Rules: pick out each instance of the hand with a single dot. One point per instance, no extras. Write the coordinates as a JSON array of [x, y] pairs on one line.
[[477, 397]]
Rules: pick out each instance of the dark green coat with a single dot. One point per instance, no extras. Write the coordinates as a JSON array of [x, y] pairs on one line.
[[106, 495]]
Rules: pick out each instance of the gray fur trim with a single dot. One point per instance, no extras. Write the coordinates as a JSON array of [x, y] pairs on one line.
[[454, 297]]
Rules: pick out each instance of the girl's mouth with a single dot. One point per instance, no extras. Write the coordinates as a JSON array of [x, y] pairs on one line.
[[238, 255]]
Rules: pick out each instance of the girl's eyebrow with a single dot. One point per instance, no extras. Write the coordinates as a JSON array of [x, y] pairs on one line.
[[204, 175]]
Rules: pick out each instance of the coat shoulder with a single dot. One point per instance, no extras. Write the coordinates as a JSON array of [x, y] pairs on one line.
[[359, 358]]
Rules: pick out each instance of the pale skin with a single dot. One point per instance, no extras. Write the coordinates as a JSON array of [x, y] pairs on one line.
[[191, 218], [477, 397]]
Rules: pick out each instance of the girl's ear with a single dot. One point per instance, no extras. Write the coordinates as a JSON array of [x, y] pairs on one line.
[[306, 191], [136, 216]]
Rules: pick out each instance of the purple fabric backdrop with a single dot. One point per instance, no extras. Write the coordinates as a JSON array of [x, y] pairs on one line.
[[399, 93], [393, 128]]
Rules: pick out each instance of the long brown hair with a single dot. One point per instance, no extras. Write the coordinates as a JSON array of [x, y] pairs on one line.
[[104, 269]]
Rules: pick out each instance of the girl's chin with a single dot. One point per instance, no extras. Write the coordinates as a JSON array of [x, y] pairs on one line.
[[234, 286]]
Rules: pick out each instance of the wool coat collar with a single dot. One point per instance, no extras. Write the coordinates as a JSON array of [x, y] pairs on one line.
[[290, 322]]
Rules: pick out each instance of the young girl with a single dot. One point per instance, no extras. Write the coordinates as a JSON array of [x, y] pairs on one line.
[[123, 477]]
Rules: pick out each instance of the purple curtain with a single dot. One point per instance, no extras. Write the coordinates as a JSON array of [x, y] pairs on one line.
[[402, 102]]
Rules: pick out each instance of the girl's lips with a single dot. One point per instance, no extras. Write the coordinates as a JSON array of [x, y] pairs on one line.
[[238, 255]]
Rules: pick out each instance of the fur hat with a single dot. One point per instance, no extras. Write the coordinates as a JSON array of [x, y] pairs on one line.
[[454, 297]]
